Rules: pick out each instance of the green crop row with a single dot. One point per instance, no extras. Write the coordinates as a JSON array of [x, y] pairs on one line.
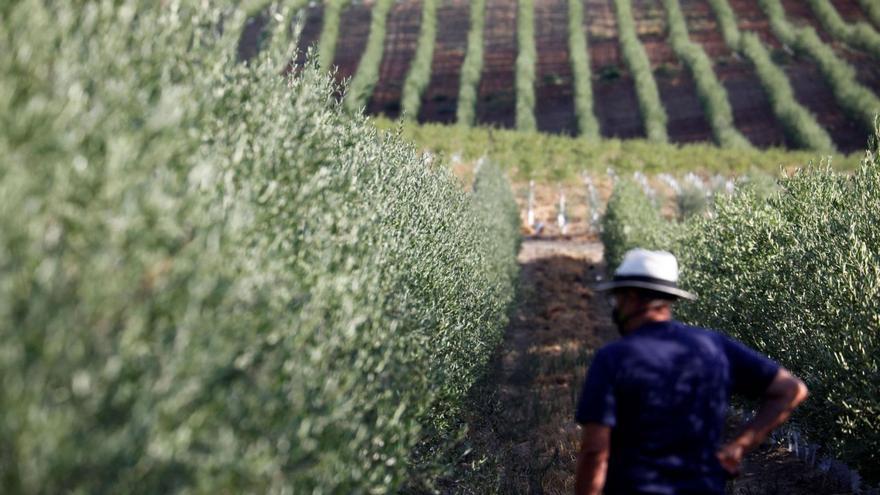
[[799, 124], [526, 58], [472, 66], [872, 8], [329, 32], [364, 81], [419, 75], [856, 100], [860, 35], [212, 278], [712, 94], [588, 126], [797, 277], [653, 114], [536, 155]]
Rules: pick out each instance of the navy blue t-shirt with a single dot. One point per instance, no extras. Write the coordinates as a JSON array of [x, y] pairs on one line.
[[664, 391]]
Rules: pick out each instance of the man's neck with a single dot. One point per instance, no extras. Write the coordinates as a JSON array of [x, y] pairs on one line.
[[649, 315]]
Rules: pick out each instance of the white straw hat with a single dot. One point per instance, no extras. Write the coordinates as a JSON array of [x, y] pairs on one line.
[[644, 269]]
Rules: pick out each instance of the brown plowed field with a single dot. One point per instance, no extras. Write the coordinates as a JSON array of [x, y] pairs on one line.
[[554, 92], [686, 118], [752, 113], [354, 28], [497, 97], [809, 86], [400, 47], [614, 97], [867, 67], [440, 100], [313, 19], [850, 10]]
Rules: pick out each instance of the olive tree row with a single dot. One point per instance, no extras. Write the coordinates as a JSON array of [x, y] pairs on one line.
[[419, 74], [472, 66], [526, 58], [856, 100], [588, 126], [653, 113], [799, 124], [712, 93]]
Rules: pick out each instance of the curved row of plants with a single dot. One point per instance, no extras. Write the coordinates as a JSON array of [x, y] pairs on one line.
[[213, 279], [329, 31], [799, 124], [872, 8], [367, 75], [858, 35], [653, 113], [472, 66], [712, 93], [856, 100], [795, 276], [588, 125], [526, 59], [419, 75]]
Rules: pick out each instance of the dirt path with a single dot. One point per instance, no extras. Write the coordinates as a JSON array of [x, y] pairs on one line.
[[523, 438]]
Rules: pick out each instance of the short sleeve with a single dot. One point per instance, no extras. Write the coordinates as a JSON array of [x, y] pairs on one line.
[[597, 404], [750, 372]]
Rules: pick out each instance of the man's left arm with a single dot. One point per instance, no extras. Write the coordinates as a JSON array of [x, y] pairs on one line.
[[592, 463]]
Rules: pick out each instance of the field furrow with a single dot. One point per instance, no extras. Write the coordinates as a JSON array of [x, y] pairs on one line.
[[615, 102], [401, 36], [440, 99], [313, 17], [752, 112], [553, 84], [810, 87], [686, 120], [496, 99], [866, 65], [354, 29]]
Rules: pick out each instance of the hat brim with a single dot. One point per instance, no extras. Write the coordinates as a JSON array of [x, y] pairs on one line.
[[638, 284]]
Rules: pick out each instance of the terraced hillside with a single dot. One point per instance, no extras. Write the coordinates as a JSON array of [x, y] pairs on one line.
[[813, 94]]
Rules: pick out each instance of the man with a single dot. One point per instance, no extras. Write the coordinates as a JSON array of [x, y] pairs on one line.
[[654, 403]]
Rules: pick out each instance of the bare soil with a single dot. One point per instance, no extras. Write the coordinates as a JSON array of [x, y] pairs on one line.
[[496, 104], [404, 20], [440, 101]]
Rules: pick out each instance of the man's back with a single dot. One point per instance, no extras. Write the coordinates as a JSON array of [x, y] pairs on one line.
[[664, 390]]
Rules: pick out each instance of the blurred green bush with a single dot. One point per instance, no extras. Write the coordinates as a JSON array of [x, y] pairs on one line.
[[793, 273], [212, 279]]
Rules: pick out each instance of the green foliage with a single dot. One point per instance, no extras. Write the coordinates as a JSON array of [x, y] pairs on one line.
[[329, 32], [535, 155], [712, 94], [797, 278], [472, 66], [859, 35], [588, 126], [727, 22], [799, 124], [872, 8], [419, 75], [653, 114], [367, 75], [856, 100], [214, 280], [632, 220], [794, 274], [526, 59]]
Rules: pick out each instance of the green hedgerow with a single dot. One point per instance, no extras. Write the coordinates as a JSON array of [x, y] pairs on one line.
[[212, 278]]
